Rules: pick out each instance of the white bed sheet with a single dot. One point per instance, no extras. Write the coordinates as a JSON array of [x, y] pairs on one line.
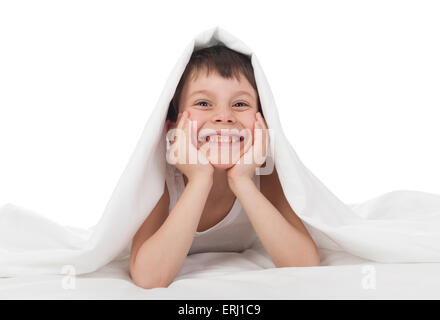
[[246, 275]]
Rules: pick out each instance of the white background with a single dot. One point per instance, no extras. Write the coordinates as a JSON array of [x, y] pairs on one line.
[[356, 84]]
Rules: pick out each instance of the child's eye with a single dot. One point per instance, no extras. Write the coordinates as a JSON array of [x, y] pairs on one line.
[[198, 103]]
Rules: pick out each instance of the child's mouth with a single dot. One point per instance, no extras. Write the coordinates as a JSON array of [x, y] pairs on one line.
[[223, 138], [228, 139]]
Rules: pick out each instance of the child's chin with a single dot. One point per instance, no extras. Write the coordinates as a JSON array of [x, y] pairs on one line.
[[222, 166], [215, 158]]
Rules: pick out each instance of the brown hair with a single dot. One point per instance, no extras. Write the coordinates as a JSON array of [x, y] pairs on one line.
[[227, 62]]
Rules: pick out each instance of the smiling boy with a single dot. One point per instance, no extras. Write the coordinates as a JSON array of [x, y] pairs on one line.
[[217, 93]]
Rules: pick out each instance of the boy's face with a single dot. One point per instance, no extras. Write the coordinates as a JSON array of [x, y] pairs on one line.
[[226, 104]]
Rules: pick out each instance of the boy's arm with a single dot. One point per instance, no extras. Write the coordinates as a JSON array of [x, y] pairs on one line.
[[159, 259], [278, 227]]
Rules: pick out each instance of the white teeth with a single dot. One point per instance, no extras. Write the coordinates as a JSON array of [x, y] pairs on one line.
[[224, 139]]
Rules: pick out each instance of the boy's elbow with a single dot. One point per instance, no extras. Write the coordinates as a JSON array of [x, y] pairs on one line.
[[311, 260], [147, 282], [314, 260]]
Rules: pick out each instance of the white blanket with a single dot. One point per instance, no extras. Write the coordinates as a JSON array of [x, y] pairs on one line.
[[398, 227], [241, 276]]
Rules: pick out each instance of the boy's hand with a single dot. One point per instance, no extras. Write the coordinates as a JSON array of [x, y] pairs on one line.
[[255, 154], [182, 150]]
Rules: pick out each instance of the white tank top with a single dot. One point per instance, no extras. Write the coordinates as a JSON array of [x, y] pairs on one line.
[[234, 233]]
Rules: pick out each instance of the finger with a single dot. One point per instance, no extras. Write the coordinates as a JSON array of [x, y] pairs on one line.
[[174, 131], [248, 140], [186, 144], [188, 130], [259, 124], [180, 125], [173, 138], [265, 136], [181, 121], [178, 131], [260, 141], [258, 132], [192, 132], [261, 120]]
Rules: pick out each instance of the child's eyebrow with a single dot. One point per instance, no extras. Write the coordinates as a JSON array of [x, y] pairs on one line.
[[209, 93]]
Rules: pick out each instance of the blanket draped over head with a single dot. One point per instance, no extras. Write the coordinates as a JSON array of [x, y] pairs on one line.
[[397, 227]]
